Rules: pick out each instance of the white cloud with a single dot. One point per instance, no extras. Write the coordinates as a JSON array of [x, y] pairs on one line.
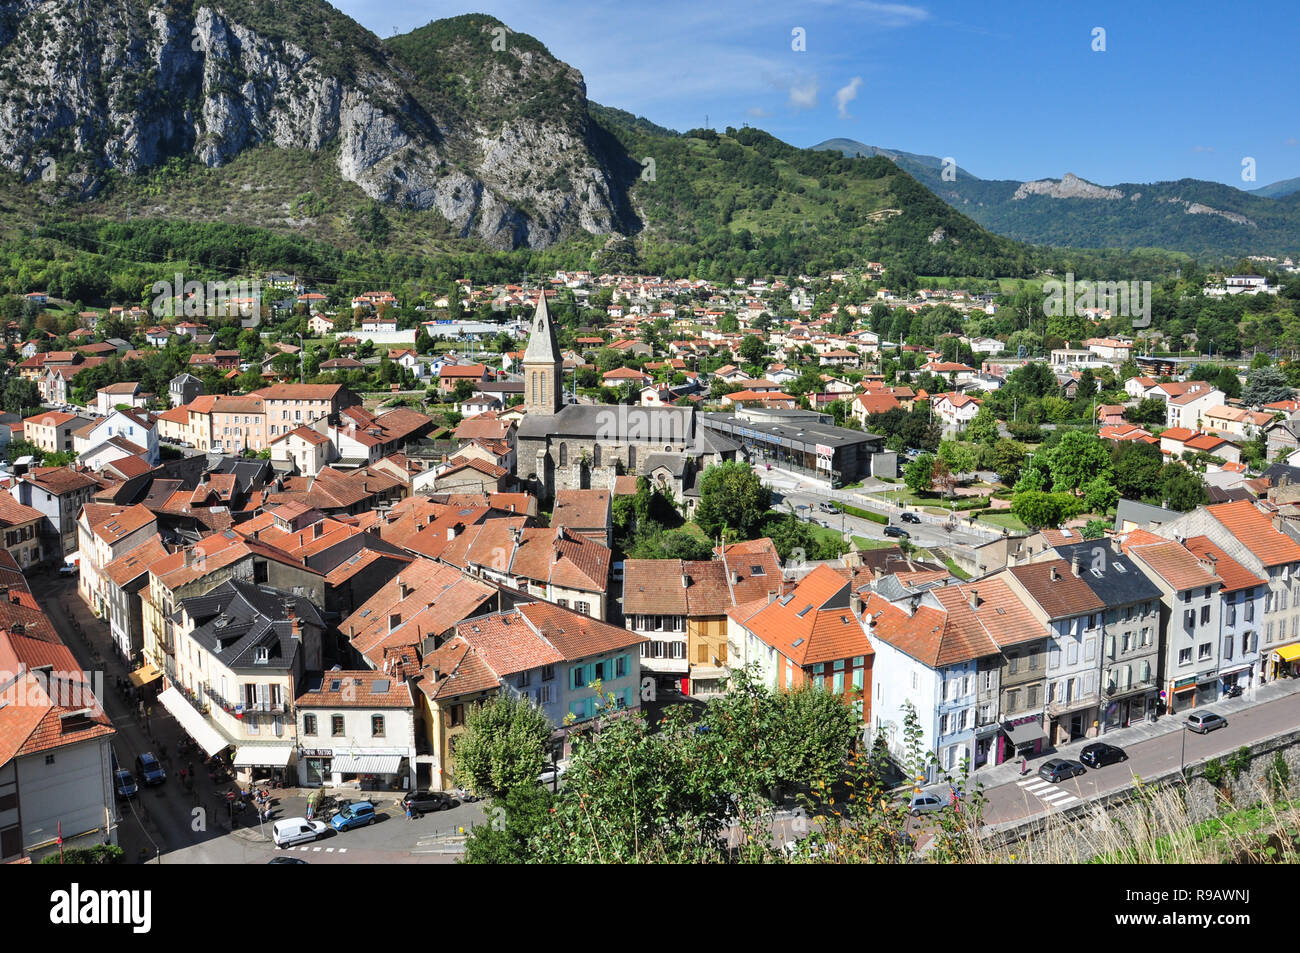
[[845, 95], [803, 94], [757, 112]]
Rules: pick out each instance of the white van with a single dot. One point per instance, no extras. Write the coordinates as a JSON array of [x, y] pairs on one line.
[[296, 830]]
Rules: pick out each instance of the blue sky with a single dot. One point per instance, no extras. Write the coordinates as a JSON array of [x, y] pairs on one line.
[[1010, 90]]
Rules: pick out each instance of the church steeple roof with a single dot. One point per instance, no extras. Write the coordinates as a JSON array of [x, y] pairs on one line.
[[542, 348]]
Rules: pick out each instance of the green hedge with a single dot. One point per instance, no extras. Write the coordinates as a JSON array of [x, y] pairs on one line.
[[861, 514]]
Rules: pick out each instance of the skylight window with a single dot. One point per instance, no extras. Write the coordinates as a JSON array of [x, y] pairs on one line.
[[756, 571], [797, 642], [1119, 567], [804, 611]]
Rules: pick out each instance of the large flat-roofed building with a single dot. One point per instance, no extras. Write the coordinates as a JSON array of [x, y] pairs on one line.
[[800, 440]]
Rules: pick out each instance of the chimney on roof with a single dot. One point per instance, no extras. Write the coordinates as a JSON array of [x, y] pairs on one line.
[[189, 556], [913, 604], [1054, 575], [855, 604], [974, 598], [686, 581], [1074, 563]]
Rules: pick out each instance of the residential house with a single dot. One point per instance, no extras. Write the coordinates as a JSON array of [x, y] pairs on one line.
[[1241, 609], [355, 726], [58, 493]]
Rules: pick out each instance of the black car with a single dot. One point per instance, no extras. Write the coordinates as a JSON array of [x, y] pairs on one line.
[[286, 860], [898, 532], [910, 518], [1058, 769], [1098, 755], [422, 802]]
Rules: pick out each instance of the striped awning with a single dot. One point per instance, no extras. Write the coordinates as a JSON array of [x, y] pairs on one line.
[[366, 764]]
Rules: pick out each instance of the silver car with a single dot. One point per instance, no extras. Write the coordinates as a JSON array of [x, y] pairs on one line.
[[925, 804]]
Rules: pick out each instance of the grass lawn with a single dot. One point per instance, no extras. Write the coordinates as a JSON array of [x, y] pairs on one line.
[[1004, 521], [954, 568], [863, 543]]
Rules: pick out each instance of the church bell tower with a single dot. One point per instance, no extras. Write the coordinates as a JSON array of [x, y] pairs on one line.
[[543, 367]]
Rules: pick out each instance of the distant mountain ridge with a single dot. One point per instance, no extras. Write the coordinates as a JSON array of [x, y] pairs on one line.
[[1191, 215]]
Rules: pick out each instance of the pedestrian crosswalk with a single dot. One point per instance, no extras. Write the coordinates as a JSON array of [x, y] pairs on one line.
[[1048, 793], [329, 850]]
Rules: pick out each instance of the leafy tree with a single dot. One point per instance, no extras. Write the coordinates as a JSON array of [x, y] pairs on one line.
[[752, 349], [1180, 488], [1039, 510], [503, 746], [957, 456], [983, 426], [1077, 459], [1149, 410], [1094, 529], [919, 474], [1008, 456], [1137, 469], [512, 822], [732, 497], [1087, 388], [1264, 385], [1099, 495], [21, 395]]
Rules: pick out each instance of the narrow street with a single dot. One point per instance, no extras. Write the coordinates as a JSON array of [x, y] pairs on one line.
[[176, 823]]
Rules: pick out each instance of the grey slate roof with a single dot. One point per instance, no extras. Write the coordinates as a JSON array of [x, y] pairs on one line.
[[1144, 514], [236, 618], [1112, 576]]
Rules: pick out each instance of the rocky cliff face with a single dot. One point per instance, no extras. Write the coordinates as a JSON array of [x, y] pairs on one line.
[[90, 88]]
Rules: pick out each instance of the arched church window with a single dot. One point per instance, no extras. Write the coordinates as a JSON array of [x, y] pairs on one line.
[[564, 454], [595, 455]]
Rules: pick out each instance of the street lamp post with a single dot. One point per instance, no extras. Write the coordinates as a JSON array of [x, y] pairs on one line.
[[1182, 754]]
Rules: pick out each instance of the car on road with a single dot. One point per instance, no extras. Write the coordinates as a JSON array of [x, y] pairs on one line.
[[827, 507], [550, 775], [68, 570], [910, 518], [898, 532], [150, 771], [354, 815], [1058, 769], [286, 860], [1203, 721], [124, 783], [925, 804], [1099, 755], [296, 830], [421, 803]]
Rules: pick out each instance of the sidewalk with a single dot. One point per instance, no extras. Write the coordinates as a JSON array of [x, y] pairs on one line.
[[1009, 771]]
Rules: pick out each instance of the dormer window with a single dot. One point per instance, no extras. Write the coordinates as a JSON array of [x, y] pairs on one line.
[[261, 654]]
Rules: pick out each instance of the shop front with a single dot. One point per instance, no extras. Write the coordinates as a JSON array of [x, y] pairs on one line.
[[1023, 737], [1207, 688], [1237, 677], [315, 767], [1286, 661], [264, 763], [386, 771], [1181, 694]]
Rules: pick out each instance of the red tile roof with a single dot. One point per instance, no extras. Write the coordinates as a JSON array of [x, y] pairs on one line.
[[1255, 531]]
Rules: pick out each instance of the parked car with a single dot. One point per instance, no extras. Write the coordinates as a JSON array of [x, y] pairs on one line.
[[550, 775], [1203, 721], [827, 507], [68, 570], [124, 784], [1099, 755], [466, 796], [925, 804], [910, 518], [1058, 769], [286, 860], [296, 830], [422, 802], [149, 770], [897, 532], [354, 815]]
